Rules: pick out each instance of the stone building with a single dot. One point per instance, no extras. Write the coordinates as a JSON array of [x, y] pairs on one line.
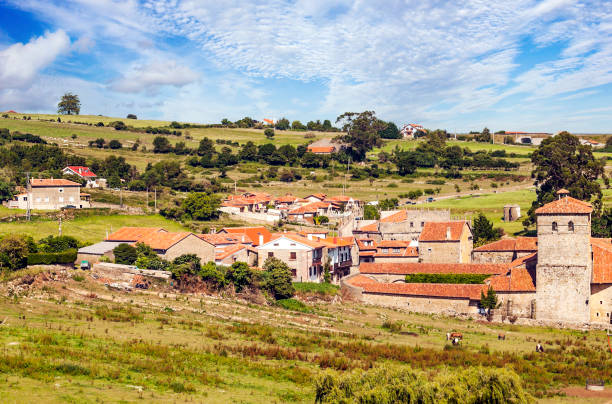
[[303, 256], [505, 250], [446, 242], [51, 194], [403, 224]]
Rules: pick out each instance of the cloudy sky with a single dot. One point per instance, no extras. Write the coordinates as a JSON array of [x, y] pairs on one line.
[[460, 65]]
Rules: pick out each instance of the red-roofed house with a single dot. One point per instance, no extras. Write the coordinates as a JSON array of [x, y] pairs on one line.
[[386, 251], [85, 173], [505, 250], [446, 242], [303, 256], [256, 235], [51, 194]]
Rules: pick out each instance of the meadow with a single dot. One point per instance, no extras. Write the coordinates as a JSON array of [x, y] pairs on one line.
[[73, 340]]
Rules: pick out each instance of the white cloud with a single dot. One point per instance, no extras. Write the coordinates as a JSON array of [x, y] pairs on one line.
[[153, 75], [21, 63]]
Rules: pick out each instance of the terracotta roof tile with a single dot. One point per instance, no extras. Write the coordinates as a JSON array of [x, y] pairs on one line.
[[219, 239], [515, 280], [602, 260], [131, 234], [369, 228], [321, 149], [511, 244], [437, 231], [164, 240], [420, 289], [565, 205], [225, 252], [431, 268], [395, 217], [53, 182], [252, 233]]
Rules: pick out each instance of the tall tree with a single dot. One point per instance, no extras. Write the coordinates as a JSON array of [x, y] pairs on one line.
[[69, 104], [484, 231], [390, 131], [362, 132], [562, 162], [282, 124]]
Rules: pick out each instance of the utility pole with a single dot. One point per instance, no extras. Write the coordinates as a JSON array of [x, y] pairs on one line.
[[147, 208], [28, 192], [121, 196], [60, 226], [155, 209]]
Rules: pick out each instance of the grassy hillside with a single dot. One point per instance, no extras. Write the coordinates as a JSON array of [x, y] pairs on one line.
[[73, 340]]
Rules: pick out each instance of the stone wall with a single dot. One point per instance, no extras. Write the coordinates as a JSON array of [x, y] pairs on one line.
[[492, 257], [380, 260], [439, 251], [191, 245], [411, 228], [422, 304], [518, 304]]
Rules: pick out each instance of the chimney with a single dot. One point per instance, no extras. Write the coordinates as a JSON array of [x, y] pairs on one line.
[[213, 230], [448, 233], [261, 239]]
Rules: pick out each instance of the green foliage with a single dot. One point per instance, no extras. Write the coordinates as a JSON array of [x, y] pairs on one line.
[[392, 326], [13, 252], [64, 257], [69, 104], [282, 124], [277, 278], [214, 275], [319, 220], [390, 131], [601, 225], [269, 133], [294, 305], [484, 136], [7, 190], [388, 204], [401, 384], [562, 162], [53, 244], [161, 144], [241, 275], [489, 301], [201, 206], [362, 132], [447, 278], [192, 261], [326, 272], [125, 254], [483, 230], [115, 144], [370, 213], [318, 288]]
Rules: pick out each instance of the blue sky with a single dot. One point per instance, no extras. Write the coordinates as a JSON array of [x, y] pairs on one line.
[[459, 65]]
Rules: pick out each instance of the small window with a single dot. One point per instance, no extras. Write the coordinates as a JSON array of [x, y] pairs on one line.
[[292, 255], [396, 250], [422, 224], [429, 250], [597, 314], [554, 226], [61, 190], [411, 224], [275, 244], [270, 254], [601, 302], [570, 227]]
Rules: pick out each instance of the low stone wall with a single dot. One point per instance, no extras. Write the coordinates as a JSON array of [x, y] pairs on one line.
[[349, 291]]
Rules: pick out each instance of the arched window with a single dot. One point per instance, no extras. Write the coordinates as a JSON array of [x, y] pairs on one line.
[[570, 227], [554, 226]]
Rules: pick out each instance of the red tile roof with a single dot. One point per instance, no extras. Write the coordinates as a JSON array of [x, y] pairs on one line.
[[312, 207], [298, 238], [321, 149], [564, 206], [53, 182], [395, 217], [220, 239], [431, 268], [252, 233], [420, 289], [369, 228], [393, 243], [286, 199], [437, 231], [82, 171], [228, 251], [510, 244], [164, 240], [515, 280], [318, 196], [131, 234], [602, 260], [337, 241]]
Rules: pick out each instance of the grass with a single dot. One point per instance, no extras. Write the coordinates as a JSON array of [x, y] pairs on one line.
[[77, 341], [316, 288]]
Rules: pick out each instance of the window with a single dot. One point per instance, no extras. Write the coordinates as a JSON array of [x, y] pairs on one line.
[[292, 255], [61, 190], [570, 227], [422, 224], [429, 250], [71, 199], [411, 224], [275, 244], [554, 226], [385, 250], [396, 250], [270, 254]]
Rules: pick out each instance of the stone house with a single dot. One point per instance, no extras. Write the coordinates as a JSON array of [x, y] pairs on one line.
[[303, 256], [51, 194], [446, 242], [394, 251], [403, 224], [256, 235], [505, 250]]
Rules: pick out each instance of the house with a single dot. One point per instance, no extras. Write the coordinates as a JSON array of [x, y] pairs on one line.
[[247, 202], [308, 212], [446, 242], [234, 253], [409, 131], [402, 224], [303, 256], [592, 143], [51, 194], [386, 251], [168, 245], [324, 146], [315, 197], [85, 173], [340, 252], [532, 138], [505, 250]]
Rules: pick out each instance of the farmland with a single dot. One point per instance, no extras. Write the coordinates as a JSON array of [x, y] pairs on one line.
[[75, 340]]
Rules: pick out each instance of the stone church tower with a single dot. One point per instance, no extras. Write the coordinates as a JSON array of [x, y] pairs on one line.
[[563, 272]]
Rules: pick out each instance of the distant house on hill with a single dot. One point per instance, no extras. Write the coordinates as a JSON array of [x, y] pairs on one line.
[[534, 138], [324, 146], [85, 173], [51, 194]]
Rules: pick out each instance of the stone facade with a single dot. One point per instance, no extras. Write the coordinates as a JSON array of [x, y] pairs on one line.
[[423, 304], [492, 257], [563, 273], [410, 228], [304, 261], [448, 251], [191, 244], [601, 303]]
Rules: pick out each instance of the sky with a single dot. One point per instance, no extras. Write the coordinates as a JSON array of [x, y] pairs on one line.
[[459, 65]]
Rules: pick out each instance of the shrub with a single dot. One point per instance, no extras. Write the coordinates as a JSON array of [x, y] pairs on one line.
[[447, 278], [55, 244], [115, 144], [131, 116], [295, 305], [392, 326], [241, 275], [125, 254], [277, 278], [64, 257], [213, 274], [13, 252]]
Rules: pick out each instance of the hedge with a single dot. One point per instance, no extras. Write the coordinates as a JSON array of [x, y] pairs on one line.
[[447, 278], [64, 257]]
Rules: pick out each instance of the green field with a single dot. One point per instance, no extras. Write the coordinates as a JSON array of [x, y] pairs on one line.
[[76, 341]]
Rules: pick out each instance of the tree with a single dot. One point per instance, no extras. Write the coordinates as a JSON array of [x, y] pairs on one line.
[[282, 124], [125, 254], [390, 131], [225, 121], [13, 252], [118, 125], [191, 263], [248, 152], [241, 275], [269, 133], [99, 142], [484, 136], [161, 145], [278, 278], [405, 162], [201, 206], [484, 231], [361, 132], [297, 125], [69, 104], [131, 116], [7, 190], [562, 162], [437, 139], [54, 244], [370, 213], [319, 220], [206, 148], [388, 204], [115, 144], [489, 301]]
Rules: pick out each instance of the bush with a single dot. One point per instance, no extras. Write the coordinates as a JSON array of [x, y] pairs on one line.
[[53, 244], [241, 275], [115, 144], [214, 275], [392, 326], [125, 254], [277, 278], [447, 278], [402, 384], [13, 252], [64, 257], [295, 305], [131, 116]]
